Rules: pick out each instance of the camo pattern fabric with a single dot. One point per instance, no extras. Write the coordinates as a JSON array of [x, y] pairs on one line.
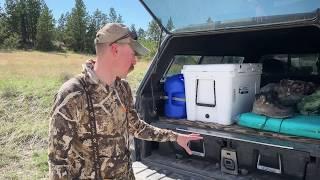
[[70, 149], [290, 92], [279, 100]]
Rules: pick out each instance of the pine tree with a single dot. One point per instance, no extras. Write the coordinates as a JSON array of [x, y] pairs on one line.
[[90, 36], [61, 27], [170, 25], [1, 12], [33, 10], [22, 17], [45, 30], [9, 38], [23, 21], [141, 33], [119, 20], [2, 15], [133, 28], [153, 31], [3, 29], [113, 15], [97, 21], [76, 27], [12, 16]]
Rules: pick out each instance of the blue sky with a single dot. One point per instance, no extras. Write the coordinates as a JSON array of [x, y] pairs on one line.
[[132, 11]]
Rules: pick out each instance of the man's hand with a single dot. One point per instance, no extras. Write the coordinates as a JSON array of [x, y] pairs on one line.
[[183, 140]]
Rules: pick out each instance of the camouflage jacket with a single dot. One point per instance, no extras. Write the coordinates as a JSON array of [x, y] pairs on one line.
[[70, 149]]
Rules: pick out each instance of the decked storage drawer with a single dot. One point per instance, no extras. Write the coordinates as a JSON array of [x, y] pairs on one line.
[[289, 163], [219, 92], [254, 159], [252, 154]]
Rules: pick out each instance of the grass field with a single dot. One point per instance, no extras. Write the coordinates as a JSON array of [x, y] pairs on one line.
[[28, 81]]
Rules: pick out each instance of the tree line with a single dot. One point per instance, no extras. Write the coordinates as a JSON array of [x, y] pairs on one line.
[[29, 24]]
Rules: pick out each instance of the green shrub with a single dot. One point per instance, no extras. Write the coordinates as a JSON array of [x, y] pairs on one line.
[[152, 46], [12, 42]]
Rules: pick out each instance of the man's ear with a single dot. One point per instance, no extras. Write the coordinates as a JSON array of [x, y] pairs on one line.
[[114, 49]]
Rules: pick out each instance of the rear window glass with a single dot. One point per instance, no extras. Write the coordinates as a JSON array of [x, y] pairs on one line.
[[297, 64], [221, 60], [180, 60]]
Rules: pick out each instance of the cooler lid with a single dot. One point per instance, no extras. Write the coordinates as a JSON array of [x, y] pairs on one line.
[[249, 67]]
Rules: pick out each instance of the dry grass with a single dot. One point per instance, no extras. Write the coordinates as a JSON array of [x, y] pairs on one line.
[[28, 81], [36, 64]]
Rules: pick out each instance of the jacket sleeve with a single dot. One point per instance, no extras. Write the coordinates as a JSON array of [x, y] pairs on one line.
[[61, 134], [143, 130]]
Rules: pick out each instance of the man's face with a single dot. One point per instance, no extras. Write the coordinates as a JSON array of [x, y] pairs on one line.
[[125, 59]]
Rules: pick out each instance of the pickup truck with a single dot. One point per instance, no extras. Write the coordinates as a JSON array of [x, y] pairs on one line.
[[282, 35]]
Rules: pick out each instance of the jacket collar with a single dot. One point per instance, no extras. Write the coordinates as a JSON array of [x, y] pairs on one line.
[[91, 77]]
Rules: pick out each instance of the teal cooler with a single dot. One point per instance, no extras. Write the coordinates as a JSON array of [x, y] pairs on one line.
[[301, 125]]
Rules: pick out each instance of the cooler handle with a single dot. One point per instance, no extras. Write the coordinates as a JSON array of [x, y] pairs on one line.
[[270, 169], [214, 92]]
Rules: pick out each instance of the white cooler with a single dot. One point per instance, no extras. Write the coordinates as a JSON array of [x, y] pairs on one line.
[[219, 92]]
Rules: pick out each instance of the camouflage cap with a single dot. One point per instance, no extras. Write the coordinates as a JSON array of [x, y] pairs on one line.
[[116, 32]]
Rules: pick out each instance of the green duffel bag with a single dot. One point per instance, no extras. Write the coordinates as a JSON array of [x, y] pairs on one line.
[[310, 104]]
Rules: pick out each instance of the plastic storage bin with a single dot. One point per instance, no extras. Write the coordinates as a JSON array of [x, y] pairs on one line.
[[218, 92], [175, 106]]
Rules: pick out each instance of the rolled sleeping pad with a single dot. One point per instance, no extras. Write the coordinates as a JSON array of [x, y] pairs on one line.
[[299, 125]]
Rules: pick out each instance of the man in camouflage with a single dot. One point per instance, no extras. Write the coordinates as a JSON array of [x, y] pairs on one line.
[[70, 141]]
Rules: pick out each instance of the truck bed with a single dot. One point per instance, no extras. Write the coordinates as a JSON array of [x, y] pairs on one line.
[[236, 132]]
